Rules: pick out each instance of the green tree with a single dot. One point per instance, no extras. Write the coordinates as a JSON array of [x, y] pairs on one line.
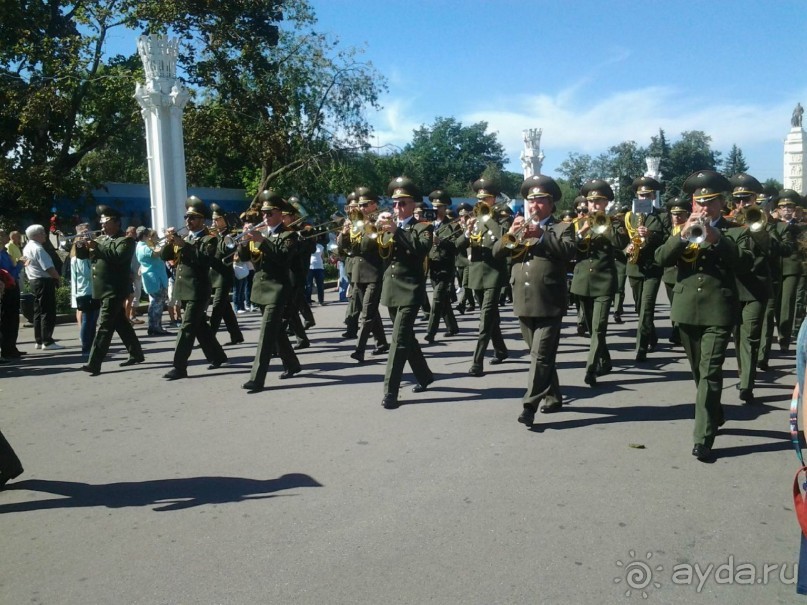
[[692, 152], [735, 162], [576, 170]]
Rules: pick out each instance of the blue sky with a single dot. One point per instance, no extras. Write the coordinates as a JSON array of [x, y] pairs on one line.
[[590, 74]]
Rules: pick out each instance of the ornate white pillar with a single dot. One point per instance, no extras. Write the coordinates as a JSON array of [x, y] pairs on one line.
[[162, 99], [795, 159], [532, 158], [654, 172]]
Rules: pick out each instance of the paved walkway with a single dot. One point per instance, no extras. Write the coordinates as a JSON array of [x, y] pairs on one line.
[[139, 490]]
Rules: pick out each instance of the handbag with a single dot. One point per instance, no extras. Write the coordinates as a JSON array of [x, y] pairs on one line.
[[240, 270]]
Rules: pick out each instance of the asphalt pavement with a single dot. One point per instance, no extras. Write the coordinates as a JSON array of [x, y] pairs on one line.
[[140, 490]]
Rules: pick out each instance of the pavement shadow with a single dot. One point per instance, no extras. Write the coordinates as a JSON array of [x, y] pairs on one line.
[[167, 494], [776, 441]]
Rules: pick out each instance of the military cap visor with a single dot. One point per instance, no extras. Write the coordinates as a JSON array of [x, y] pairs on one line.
[[705, 195], [743, 192], [596, 195], [402, 192], [106, 212], [645, 190], [483, 193], [193, 212], [536, 193]]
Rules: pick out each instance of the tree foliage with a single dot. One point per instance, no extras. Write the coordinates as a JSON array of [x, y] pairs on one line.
[[734, 162]]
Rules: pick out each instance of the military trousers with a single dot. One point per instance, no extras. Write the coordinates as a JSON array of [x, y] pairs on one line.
[[705, 348], [619, 295], [223, 310], [370, 317], [542, 335], [353, 311], [195, 326], [490, 328], [786, 312], [441, 307], [675, 336], [112, 318], [769, 324], [292, 310], [404, 347], [595, 313], [10, 464], [271, 340], [645, 292], [747, 338]]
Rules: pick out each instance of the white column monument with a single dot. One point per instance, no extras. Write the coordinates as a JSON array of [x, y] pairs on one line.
[[795, 150], [654, 172], [531, 156], [162, 99]]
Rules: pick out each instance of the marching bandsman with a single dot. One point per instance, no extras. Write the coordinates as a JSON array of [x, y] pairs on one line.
[[111, 257], [647, 233], [360, 237], [301, 249], [754, 286], [441, 268], [404, 245], [788, 203], [706, 306], [486, 275], [541, 248], [270, 252], [678, 210], [621, 260], [353, 311], [464, 212], [193, 256], [581, 212], [222, 278], [594, 280], [766, 201]]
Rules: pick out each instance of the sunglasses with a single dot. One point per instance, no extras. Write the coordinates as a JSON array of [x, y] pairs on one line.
[[401, 202]]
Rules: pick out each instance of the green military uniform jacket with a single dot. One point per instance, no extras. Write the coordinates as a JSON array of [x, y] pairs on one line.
[[367, 266], [301, 250], [792, 256], [272, 282], [404, 282], [595, 269], [193, 262], [485, 271], [442, 256], [539, 271], [646, 266], [755, 282], [705, 293], [112, 266], [221, 265]]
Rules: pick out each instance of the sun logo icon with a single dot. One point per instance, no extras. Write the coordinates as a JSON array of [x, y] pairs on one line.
[[638, 574]]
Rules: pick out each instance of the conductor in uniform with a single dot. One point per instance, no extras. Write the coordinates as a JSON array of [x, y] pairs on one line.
[[111, 257], [540, 248], [193, 256], [705, 306], [405, 243]]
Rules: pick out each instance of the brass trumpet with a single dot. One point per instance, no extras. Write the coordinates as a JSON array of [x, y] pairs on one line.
[[754, 218], [179, 232], [696, 234], [600, 222], [516, 238]]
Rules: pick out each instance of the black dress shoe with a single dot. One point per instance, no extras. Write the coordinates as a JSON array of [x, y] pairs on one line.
[[618, 318], [527, 417], [302, 345], [701, 452], [358, 356], [763, 365], [641, 356], [581, 331], [381, 350], [460, 309], [309, 324], [450, 334], [747, 395], [590, 379], [290, 373], [390, 402], [218, 364], [476, 371], [420, 387], [349, 334], [90, 371], [132, 361], [175, 374], [252, 386], [12, 355], [497, 360], [236, 341], [429, 338], [549, 408], [604, 369]]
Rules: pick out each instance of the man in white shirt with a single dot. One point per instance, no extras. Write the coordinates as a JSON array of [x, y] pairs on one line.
[[43, 279]]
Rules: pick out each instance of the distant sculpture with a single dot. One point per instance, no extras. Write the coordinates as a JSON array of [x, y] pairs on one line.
[[531, 156], [798, 112]]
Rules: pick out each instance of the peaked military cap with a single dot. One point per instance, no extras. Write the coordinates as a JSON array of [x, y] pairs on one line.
[[568, 216], [464, 209], [678, 205], [217, 211], [597, 189], [105, 211], [705, 185], [403, 186], [271, 201], [294, 206], [744, 185], [438, 197], [365, 195], [645, 184], [789, 196], [196, 207], [580, 199], [484, 188], [540, 186]]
